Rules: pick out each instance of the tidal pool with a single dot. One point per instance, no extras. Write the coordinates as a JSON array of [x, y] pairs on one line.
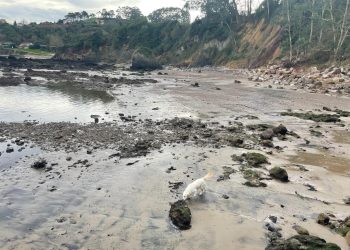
[[52, 104]]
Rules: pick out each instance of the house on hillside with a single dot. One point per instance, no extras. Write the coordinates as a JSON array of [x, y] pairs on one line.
[[25, 45]]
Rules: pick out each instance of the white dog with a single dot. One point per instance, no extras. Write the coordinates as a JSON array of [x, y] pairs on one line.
[[196, 188]]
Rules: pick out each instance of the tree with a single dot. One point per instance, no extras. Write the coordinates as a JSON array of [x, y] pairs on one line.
[[170, 14], [289, 30], [128, 13]]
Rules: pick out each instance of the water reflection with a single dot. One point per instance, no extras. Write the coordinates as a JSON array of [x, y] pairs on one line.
[[52, 104]]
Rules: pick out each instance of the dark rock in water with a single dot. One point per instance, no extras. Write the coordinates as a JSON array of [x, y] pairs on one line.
[[273, 218], [300, 230], [27, 78], [39, 164], [61, 219], [347, 200], [180, 215], [196, 84], [267, 134], [237, 81], [299, 242], [53, 188], [280, 130], [279, 174], [9, 150], [226, 197], [323, 219]]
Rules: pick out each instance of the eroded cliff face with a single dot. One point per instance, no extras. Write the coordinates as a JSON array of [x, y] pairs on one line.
[[254, 46]]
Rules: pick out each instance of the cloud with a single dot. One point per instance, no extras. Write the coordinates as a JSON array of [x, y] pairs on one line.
[[52, 10]]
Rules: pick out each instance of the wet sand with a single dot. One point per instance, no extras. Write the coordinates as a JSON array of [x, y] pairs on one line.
[[114, 204]]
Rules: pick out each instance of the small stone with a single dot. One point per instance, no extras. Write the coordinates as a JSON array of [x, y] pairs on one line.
[[226, 197], [9, 150], [300, 230], [323, 219], [273, 218], [39, 164], [89, 152], [68, 158], [61, 220]]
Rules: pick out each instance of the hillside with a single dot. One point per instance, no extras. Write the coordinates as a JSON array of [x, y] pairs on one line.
[[311, 32]]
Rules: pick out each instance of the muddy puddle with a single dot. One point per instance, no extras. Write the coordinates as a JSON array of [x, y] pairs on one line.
[[333, 163]]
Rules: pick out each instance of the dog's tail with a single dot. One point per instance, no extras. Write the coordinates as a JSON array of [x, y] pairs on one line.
[[209, 175]]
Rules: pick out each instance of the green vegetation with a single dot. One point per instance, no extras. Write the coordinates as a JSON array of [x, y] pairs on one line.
[[36, 52], [307, 31]]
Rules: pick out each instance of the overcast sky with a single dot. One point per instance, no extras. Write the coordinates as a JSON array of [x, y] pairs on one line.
[[52, 10]]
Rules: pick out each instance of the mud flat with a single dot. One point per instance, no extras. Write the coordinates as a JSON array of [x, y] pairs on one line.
[[109, 184]]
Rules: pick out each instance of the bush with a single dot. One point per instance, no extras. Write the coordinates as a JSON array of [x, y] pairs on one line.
[[141, 62]]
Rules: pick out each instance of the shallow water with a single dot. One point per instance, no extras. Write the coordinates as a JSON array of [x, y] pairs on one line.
[[111, 205], [52, 104]]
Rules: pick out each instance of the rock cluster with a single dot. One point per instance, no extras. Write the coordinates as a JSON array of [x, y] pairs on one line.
[[329, 80]]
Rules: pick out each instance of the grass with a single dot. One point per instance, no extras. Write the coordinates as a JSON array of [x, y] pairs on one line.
[[35, 52]]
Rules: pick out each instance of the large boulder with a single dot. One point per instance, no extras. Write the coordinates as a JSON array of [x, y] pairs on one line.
[[180, 215]]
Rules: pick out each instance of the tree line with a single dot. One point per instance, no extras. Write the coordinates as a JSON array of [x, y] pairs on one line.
[[310, 28]]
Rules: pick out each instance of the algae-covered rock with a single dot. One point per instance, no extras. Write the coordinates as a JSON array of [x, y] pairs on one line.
[[314, 117], [255, 159], [255, 183], [279, 174], [180, 215], [302, 242], [226, 175]]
